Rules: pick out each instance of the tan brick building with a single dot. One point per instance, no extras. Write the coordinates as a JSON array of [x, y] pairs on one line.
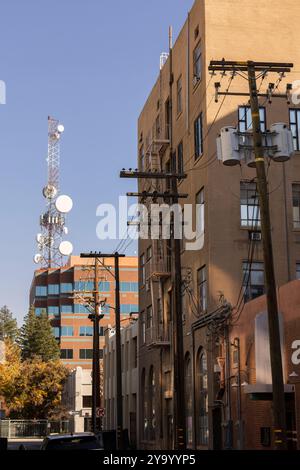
[[61, 292], [177, 130]]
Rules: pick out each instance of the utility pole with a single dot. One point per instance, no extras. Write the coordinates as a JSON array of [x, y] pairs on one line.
[[178, 351], [95, 318], [119, 398], [251, 68]]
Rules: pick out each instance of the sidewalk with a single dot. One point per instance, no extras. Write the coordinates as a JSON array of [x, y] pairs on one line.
[[30, 444]]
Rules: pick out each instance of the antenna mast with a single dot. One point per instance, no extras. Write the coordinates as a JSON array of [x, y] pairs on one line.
[[52, 221]]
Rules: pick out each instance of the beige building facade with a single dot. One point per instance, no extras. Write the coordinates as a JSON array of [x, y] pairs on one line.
[[177, 131], [129, 349]]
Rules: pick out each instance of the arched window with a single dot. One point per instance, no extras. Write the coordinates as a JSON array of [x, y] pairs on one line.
[[202, 399], [188, 400], [152, 393], [144, 405]]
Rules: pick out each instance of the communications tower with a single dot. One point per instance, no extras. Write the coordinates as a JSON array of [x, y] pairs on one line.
[[51, 247]]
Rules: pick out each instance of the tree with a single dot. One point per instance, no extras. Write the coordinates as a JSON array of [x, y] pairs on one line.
[[8, 324], [31, 389], [37, 339]]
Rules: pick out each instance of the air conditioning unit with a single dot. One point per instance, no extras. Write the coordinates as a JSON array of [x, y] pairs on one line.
[[255, 236]]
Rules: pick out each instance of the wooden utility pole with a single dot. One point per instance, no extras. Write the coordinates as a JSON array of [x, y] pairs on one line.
[[178, 350], [95, 318], [250, 67], [273, 317], [118, 371]]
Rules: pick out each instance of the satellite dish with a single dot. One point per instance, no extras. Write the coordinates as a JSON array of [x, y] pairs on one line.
[[49, 191], [65, 248], [60, 128], [66, 230], [37, 258], [64, 204]]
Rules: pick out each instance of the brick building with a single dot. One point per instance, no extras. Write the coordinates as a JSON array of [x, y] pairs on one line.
[[177, 131], [250, 374], [60, 293]]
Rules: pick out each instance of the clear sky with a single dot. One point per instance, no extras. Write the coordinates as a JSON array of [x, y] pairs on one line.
[[91, 64]]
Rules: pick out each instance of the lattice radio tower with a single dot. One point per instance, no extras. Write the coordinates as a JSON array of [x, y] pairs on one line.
[[51, 247]]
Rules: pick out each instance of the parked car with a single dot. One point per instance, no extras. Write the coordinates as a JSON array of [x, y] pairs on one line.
[[76, 441]]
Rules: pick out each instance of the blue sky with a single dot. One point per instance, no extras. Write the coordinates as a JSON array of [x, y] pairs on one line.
[[91, 64]]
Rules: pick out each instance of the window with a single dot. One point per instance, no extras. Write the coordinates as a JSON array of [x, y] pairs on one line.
[[66, 353], [85, 354], [84, 286], [40, 310], [198, 134], [149, 319], [104, 286], [188, 400], [101, 331], [197, 63], [144, 402], [200, 212], [67, 331], [80, 309], [202, 288], [173, 163], [202, 399], [250, 212], [143, 327], [41, 291], [66, 309], [105, 309], [53, 289], [296, 205], [295, 127], [55, 331], [142, 158], [129, 308], [87, 401], [297, 270], [167, 120], [128, 286], [86, 331], [134, 352], [157, 127], [149, 253], [53, 310], [143, 271], [245, 118], [152, 402], [168, 170], [179, 95], [180, 158], [66, 287], [253, 280]]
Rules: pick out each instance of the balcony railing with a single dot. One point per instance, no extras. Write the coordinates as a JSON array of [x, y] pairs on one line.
[[158, 336]]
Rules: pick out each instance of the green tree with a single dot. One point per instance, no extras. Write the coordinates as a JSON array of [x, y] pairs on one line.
[[37, 339], [8, 324]]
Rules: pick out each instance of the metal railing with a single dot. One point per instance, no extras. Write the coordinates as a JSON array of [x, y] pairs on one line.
[[20, 428]]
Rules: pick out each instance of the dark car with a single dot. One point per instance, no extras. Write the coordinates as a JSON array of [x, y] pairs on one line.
[[76, 441]]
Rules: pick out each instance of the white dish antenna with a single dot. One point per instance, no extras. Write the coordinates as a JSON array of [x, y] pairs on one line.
[[37, 258], [39, 237], [64, 204], [65, 248], [49, 191], [60, 128]]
